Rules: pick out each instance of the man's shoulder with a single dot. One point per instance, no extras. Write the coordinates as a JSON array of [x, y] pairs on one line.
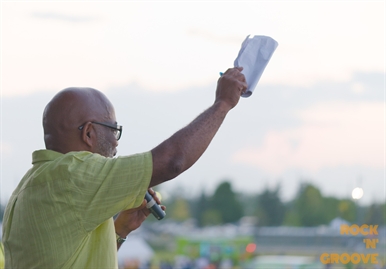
[[89, 159]]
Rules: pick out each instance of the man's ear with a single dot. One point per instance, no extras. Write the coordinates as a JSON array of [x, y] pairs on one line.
[[88, 134]]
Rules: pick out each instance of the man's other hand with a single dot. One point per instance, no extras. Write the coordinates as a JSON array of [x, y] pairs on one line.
[[130, 220]]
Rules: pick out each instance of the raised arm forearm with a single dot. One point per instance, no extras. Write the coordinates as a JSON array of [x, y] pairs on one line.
[[184, 148]]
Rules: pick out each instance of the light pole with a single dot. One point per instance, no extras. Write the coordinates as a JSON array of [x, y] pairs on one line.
[[357, 194]]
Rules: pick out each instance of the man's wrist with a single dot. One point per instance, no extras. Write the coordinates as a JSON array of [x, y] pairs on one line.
[[222, 105], [120, 240]]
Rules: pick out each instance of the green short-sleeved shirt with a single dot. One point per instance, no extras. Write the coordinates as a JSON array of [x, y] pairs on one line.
[[60, 215]]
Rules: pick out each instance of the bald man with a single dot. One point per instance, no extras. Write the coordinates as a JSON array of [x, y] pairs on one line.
[[61, 213]]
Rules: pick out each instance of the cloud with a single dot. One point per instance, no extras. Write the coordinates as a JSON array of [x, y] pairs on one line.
[[56, 16], [5, 148], [212, 36], [331, 134]]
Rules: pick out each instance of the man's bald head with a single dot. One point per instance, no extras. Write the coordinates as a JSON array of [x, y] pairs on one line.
[[69, 109]]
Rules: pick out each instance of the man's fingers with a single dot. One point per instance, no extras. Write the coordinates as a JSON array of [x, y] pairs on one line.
[[156, 198], [236, 73], [243, 88], [240, 68], [154, 194], [142, 206]]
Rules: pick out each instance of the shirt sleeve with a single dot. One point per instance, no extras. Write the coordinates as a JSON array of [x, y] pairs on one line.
[[102, 187]]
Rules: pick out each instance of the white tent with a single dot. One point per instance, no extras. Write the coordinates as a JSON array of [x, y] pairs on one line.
[[135, 249], [337, 222]]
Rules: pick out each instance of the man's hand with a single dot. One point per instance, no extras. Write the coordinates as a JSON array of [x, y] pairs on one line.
[[129, 220], [230, 86]]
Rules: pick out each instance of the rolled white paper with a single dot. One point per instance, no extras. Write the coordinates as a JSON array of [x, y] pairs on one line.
[[254, 55]]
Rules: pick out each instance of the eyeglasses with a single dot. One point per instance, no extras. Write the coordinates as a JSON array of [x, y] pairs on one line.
[[117, 128]]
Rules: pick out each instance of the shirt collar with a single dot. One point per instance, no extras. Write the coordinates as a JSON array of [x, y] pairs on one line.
[[45, 155]]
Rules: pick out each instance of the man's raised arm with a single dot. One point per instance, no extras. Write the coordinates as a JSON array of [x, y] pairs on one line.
[[184, 148]]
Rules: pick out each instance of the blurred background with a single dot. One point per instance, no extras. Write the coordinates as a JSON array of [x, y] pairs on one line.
[[302, 156]]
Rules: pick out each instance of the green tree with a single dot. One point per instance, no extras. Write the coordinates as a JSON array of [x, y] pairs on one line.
[[291, 217], [375, 214], [270, 208], [200, 206], [177, 205], [211, 217], [347, 210], [225, 201], [330, 208], [180, 210], [309, 206]]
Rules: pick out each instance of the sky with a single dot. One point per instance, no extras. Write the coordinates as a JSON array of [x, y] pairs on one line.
[[317, 114]]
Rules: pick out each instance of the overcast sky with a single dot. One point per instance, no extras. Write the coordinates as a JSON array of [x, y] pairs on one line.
[[317, 114]]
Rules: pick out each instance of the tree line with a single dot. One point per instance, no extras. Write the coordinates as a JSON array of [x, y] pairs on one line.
[[308, 208]]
